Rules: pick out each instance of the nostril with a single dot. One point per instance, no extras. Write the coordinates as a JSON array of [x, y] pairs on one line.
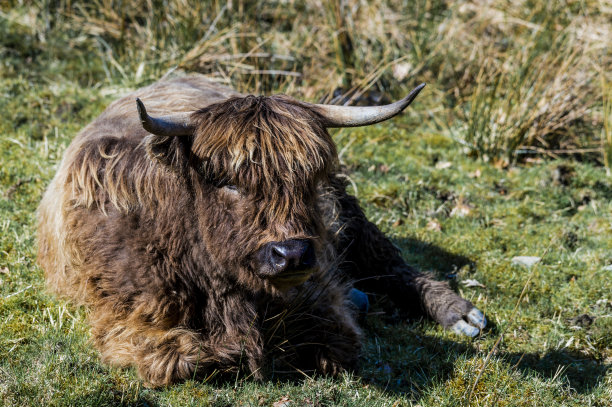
[[278, 258], [291, 255], [308, 258], [278, 251]]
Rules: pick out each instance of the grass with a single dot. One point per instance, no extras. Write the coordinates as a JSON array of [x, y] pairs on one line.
[[531, 78], [606, 136], [489, 67]]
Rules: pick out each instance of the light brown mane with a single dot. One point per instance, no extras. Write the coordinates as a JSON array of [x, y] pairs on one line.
[[255, 140], [272, 148], [118, 172]]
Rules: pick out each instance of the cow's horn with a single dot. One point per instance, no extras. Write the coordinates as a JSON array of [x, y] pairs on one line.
[[174, 125], [352, 116]]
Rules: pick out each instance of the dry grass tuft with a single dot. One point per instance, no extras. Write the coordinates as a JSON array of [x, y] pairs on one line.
[[516, 77], [525, 81]]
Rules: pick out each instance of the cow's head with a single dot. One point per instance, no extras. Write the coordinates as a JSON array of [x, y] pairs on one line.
[[255, 165]]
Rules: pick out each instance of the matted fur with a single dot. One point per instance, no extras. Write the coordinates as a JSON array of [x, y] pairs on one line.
[[159, 237]]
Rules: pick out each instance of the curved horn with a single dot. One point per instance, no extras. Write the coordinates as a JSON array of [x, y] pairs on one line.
[[352, 116], [175, 125]]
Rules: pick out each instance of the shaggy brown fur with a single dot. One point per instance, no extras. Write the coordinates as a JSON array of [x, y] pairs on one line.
[[158, 236]]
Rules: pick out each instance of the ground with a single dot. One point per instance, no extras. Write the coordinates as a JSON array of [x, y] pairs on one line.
[[461, 218]]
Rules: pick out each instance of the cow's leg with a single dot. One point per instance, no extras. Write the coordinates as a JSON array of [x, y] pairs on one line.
[[338, 340], [164, 356], [376, 266], [316, 332]]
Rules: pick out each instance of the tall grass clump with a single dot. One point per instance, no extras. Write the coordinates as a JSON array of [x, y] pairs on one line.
[[508, 77], [535, 105], [527, 83]]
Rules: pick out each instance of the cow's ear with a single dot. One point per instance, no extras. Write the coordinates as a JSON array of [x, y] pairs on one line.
[[170, 136], [170, 151]]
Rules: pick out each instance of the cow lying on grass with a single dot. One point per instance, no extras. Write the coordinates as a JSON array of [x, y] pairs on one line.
[[219, 236]]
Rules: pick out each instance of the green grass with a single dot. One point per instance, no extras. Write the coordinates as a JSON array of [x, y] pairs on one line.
[[606, 136], [60, 66]]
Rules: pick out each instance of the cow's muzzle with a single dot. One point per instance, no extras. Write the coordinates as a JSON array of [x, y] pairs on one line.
[[287, 263]]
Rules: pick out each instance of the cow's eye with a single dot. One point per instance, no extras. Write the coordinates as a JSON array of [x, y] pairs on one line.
[[231, 188]]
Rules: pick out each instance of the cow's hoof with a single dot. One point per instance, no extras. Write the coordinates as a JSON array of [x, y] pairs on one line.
[[477, 318], [329, 367], [477, 322]]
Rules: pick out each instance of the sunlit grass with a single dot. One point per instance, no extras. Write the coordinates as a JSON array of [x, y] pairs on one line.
[[606, 132], [503, 78]]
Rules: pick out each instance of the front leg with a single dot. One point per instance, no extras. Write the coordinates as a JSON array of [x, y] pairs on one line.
[[339, 335], [376, 265], [442, 304], [314, 328], [164, 355]]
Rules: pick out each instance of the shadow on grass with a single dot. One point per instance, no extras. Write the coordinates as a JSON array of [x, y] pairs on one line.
[[431, 258], [409, 364], [427, 361], [110, 398], [582, 373]]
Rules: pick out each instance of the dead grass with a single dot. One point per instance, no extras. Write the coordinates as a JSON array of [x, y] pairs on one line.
[[521, 77], [526, 82]]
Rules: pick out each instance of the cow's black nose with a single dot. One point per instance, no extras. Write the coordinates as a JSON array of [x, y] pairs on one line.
[[291, 255]]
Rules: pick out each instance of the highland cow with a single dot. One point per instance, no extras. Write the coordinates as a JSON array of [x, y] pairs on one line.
[[213, 233]]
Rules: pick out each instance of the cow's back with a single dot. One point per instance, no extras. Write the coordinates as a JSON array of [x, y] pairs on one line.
[[182, 94]]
